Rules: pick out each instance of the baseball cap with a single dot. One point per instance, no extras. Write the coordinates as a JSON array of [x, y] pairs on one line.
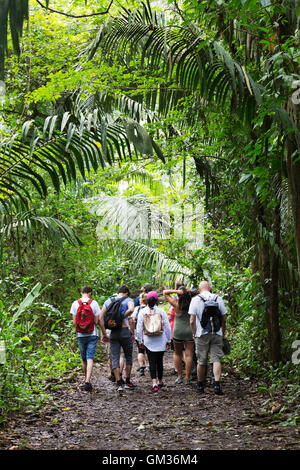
[[152, 293]]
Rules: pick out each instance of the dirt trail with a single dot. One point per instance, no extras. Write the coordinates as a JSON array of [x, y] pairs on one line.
[[175, 418]]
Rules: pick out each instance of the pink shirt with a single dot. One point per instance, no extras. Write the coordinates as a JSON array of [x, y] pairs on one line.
[[171, 316]]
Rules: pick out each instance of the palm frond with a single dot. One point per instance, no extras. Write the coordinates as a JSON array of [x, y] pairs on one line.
[[28, 222], [67, 143], [148, 255]]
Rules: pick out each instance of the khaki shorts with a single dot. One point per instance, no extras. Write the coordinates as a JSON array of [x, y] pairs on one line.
[[209, 344]]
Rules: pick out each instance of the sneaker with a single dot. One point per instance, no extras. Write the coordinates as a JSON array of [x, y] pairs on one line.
[[200, 387], [129, 386], [119, 388], [188, 381], [217, 389], [160, 384], [88, 387], [179, 380], [155, 388]]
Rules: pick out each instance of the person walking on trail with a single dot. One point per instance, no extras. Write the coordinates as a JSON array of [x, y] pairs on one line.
[[86, 312], [182, 332], [144, 290], [154, 334], [134, 317], [122, 337], [208, 323]]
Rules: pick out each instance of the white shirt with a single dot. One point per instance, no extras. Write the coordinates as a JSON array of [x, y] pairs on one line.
[[153, 343], [197, 307], [96, 310]]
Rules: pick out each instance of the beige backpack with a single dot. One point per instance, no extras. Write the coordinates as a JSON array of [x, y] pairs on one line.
[[153, 324]]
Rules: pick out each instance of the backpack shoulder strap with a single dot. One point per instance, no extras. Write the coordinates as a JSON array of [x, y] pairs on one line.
[[79, 301]]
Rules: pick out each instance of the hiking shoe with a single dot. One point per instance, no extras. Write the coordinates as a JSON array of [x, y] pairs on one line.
[[88, 387], [142, 371], [179, 380], [160, 384], [155, 388], [129, 386], [217, 389], [200, 387]]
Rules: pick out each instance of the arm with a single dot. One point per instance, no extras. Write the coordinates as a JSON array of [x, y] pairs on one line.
[[193, 323], [101, 323], [131, 328], [171, 300], [167, 330], [140, 328], [129, 310], [223, 312], [167, 327]]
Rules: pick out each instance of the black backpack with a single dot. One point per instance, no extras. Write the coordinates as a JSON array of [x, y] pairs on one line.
[[113, 317], [211, 320]]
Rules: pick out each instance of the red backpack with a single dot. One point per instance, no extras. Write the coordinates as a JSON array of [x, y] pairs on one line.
[[84, 322]]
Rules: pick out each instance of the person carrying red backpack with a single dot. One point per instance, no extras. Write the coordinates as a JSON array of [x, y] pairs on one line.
[[86, 313]]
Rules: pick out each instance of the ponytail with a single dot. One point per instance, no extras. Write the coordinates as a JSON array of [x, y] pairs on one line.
[[152, 301]]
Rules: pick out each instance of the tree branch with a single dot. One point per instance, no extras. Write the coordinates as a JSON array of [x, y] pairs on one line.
[[75, 16]]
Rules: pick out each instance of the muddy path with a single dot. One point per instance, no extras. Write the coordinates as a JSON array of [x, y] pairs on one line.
[[175, 418]]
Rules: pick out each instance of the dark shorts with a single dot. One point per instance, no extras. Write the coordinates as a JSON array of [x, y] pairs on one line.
[[183, 340], [121, 339]]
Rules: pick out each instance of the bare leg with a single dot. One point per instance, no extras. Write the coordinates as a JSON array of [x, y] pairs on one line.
[[141, 360], [122, 363], [178, 353], [89, 369], [201, 372], [189, 348], [117, 373], [217, 371]]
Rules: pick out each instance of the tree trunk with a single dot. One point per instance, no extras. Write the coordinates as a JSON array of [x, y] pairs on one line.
[[293, 170], [272, 308]]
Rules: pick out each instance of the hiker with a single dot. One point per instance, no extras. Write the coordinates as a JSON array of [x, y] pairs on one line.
[[171, 316], [154, 334], [144, 290], [208, 335], [182, 332], [87, 333], [134, 317], [122, 358], [122, 337]]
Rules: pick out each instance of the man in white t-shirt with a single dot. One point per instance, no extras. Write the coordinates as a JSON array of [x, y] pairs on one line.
[[206, 341], [87, 341]]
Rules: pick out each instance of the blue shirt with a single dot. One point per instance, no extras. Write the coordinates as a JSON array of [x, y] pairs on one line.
[[124, 304]]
